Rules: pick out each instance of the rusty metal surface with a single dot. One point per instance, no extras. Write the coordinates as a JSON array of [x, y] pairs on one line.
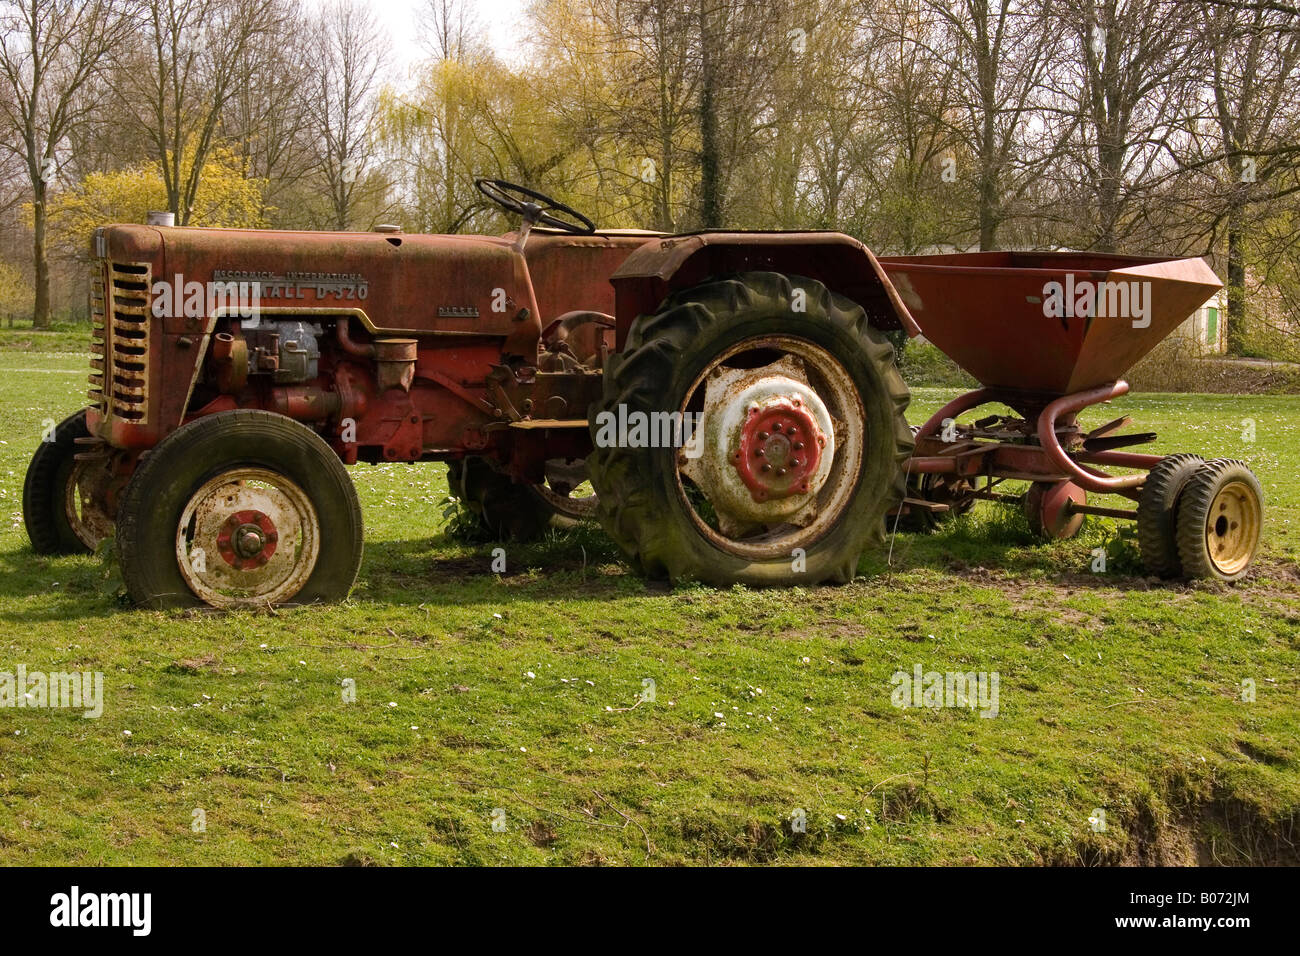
[[573, 272], [769, 514], [838, 261], [463, 302], [1046, 445], [985, 311], [249, 537], [1052, 509]]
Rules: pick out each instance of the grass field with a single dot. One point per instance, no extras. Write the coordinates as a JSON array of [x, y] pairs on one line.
[[514, 698]]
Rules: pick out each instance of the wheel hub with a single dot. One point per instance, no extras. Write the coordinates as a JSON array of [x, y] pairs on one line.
[[247, 539], [90, 487], [767, 446], [1232, 527], [779, 449], [265, 529]]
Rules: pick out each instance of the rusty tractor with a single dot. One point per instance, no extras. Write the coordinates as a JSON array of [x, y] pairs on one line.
[[731, 397]]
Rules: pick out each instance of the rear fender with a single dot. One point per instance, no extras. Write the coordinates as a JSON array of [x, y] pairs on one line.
[[840, 262]]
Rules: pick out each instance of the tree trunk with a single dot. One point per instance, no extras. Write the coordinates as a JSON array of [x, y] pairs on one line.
[[1111, 161], [988, 200], [710, 199], [988, 151], [40, 258], [1236, 314]]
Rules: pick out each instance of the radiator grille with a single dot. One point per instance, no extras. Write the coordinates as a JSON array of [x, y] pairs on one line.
[[119, 362], [98, 338]]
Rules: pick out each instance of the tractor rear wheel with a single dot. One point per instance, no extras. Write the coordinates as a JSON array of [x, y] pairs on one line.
[[243, 508], [510, 511], [752, 432], [1157, 513], [1220, 516], [52, 501]]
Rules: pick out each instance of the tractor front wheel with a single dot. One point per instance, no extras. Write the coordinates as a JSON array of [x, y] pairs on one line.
[[752, 432], [59, 509], [243, 508]]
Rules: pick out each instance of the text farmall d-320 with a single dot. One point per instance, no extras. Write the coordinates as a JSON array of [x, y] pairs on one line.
[[215, 442]]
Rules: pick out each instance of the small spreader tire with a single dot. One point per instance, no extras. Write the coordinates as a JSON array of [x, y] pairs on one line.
[[1220, 516], [243, 508], [46, 491], [759, 356], [1157, 514]]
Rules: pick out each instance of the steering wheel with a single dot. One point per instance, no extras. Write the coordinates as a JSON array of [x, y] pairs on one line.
[[534, 206]]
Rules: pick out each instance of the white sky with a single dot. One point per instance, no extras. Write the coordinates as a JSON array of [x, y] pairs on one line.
[[501, 20]]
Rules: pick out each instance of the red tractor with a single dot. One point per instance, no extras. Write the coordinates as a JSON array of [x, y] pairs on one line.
[[731, 397]]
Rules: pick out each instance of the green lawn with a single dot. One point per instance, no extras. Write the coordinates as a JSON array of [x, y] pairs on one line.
[[518, 693]]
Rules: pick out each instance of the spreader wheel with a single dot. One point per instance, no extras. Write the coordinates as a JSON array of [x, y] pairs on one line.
[[510, 511], [59, 515], [239, 509], [1048, 506], [1157, 513], [751, 432], [1220, 516]]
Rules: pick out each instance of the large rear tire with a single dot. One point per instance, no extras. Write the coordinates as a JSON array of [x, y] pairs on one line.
[[801, 435], [243, 508]]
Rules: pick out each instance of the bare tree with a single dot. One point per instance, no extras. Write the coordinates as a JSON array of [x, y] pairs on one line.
[[268, 114], [450, 30], [1126, 86], [1255, 70], [624, 91], [189, 60], [348, 57], [51, 52], [996, 53], [915, 197]]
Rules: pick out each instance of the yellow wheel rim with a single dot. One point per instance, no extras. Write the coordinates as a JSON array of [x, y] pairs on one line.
[[1232, 527]]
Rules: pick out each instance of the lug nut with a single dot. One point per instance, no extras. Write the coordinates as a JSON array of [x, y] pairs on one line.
[[798, 446], [776, 427], [249, 544], [762, 436], [758, 453], [765, 467]]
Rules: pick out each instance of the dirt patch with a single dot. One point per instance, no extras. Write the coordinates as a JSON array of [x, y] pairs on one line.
[[753, 841], [194, 665], [1193, 828], [540, 834], [1267, 579]]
